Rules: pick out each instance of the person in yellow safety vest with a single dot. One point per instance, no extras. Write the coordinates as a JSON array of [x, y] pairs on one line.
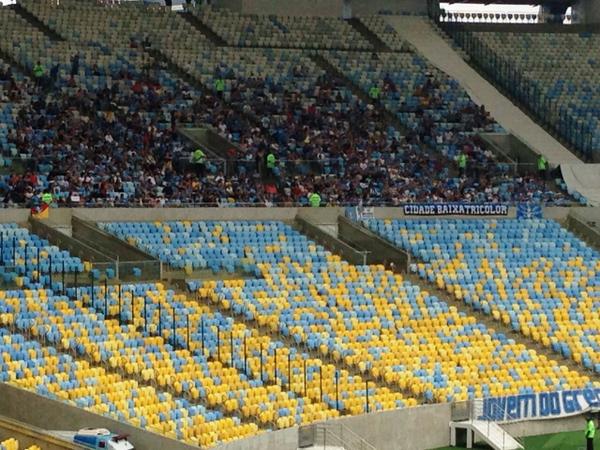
[[542, 165], [461, 159], [314, 200], [220, 86], [47, 198], [271, 160], [38, 70], [38, 73], [198, 157], [590, 432], [374, 92]]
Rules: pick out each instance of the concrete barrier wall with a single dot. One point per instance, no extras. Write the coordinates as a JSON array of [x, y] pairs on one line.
[[28, 436], [321, 216], [380, 250], [331, 243], [547, 426], [286, 439], [96, 238], [62, 216], [514, 148], [585, 226], [164, 214], [14, 215], [72, 245], [419, 428], [42, 412]]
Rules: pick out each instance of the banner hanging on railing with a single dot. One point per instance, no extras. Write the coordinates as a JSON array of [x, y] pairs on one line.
[[542, 405], [455, 209], [529, 211], [358, 213]]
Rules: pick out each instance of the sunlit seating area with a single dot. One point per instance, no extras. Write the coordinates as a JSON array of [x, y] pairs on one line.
[[19, 263], [13, 444], [154, 335], [531, 275], [46, 371], [363, 316]]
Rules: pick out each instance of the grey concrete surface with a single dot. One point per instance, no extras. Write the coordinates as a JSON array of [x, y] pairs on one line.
[[379, 250], [331, 242], [325, 215], [585, 223], [319, 216], [163, 214], [547, 426], [28, 435], [14, 215], [42, 412]]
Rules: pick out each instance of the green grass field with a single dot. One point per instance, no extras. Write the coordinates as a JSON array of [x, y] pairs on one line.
[[562, 441]]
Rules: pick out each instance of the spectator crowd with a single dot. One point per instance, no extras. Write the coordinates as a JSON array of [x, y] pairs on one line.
[[119, 145]]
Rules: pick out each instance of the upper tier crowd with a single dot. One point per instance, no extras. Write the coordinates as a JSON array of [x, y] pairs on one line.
[[118, 145]]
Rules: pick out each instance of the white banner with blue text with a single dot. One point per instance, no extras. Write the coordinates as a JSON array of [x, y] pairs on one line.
[[542, 405]]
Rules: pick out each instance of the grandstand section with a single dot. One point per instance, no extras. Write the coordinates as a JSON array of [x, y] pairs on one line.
[[531, 275], [298, 337], [245, 225], [299, 296], [283, 31], [420, 33], [29, 262], [551, 73], [308, 133]]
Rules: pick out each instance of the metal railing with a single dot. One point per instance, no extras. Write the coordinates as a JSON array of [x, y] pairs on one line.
[[491, 419], [333, 434]]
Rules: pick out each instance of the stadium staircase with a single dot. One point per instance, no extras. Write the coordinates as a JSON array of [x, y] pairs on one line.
[[328, 238], [490, 432], [204, 29], [37, 23], [419, 32], [212, 143], [7, 57], [585, 223], [373, 39]]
